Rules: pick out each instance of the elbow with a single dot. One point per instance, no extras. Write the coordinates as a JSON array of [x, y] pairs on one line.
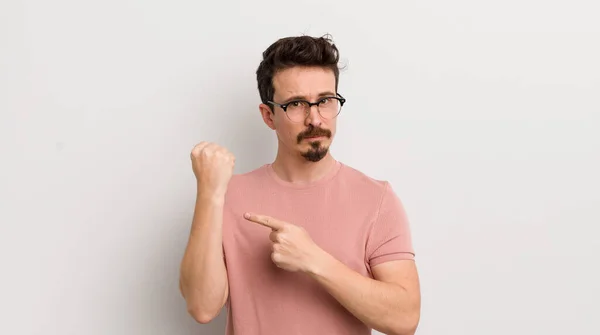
[[407, 326], [202, 316], [405, 331], [196, 309], [203, 310]]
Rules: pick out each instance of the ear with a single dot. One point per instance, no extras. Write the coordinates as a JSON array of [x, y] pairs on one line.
[[267, 115]]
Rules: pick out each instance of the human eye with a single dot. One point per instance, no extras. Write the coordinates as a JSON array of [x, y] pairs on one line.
[[325, 101], [297, 105]]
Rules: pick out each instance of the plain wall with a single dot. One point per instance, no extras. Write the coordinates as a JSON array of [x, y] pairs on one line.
[[484, 116]]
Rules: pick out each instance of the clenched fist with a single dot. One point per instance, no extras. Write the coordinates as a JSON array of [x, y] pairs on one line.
[[213, 167]]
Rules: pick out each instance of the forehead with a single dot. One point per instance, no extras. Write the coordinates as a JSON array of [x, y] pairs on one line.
[[307, 82]]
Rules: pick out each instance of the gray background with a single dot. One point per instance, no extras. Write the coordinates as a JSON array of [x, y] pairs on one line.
[[482, 115]]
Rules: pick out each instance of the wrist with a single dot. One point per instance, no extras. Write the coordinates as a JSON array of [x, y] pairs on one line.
[[320, 263], [210, 196]]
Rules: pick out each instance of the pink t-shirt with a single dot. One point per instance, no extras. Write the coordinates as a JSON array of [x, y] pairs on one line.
[[357, 219]]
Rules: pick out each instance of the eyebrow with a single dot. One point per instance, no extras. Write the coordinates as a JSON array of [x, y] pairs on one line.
[[301, 97]]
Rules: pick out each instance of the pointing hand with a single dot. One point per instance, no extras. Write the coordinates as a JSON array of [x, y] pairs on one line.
[[293, 248]]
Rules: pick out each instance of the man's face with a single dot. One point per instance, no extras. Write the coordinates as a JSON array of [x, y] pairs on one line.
[[311, 136]]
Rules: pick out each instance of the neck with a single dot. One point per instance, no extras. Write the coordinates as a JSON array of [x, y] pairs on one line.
[[296, 169]]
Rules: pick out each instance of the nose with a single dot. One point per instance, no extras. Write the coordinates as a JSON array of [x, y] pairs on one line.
[[313, 118]]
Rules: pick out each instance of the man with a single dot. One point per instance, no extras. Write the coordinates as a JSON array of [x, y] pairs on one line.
[[305, 245]]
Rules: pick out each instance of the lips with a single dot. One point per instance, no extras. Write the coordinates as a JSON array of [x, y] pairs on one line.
[[314, 137]]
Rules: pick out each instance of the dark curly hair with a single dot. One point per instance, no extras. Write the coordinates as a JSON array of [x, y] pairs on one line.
[[295, 51]]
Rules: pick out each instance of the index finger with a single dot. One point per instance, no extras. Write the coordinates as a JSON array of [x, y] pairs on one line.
[[264, 220]]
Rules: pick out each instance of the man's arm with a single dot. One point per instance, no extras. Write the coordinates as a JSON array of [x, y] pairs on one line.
[[203, 279], [203, 276], [390, 303]]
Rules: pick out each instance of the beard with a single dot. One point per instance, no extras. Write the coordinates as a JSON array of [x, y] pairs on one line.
[[316, 152]]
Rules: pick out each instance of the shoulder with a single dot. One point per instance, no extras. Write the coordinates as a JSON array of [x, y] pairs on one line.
[[361, 182], [360, 188], [375, 196]]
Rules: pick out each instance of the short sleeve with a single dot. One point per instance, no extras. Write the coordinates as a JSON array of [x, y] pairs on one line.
[[390, 237]]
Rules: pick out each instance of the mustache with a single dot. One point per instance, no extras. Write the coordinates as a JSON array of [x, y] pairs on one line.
[[311, 132]]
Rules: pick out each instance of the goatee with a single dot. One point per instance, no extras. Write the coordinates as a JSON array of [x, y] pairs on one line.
[[316, 153]]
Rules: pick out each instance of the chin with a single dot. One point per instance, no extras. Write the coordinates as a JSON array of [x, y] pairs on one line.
[[314, 157], [316, 153]]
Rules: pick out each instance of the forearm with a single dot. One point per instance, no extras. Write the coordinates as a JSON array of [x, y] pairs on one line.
[[385, 307], [203, 278]]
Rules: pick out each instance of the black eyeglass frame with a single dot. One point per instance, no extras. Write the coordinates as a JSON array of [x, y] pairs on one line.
[[284, 106]]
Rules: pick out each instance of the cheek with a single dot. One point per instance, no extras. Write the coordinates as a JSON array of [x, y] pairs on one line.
[[286, 131], [332, 126], [291, 129], [292, 133]]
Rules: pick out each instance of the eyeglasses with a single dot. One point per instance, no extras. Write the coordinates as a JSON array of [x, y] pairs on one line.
[[298, 110]]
